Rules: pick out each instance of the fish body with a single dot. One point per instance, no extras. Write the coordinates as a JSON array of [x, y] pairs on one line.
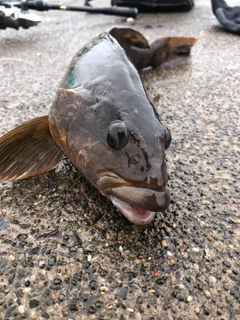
[[102, 119]]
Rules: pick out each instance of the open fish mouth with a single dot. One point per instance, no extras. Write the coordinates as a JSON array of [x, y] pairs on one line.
[[137, 204], [136, 215]]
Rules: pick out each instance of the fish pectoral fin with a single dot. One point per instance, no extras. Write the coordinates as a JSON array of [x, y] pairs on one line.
[[129, 37], [28, 150]]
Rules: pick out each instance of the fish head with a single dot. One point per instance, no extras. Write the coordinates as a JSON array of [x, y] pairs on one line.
[[110, 130], [135, 180], [121, 151]]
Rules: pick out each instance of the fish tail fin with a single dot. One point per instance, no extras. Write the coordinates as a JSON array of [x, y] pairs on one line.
[[171, 48], [28, 150], [179, 46], [143, 55]]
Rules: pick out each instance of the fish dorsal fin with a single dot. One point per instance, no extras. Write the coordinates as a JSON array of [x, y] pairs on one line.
[[28, 150], [127, 36]]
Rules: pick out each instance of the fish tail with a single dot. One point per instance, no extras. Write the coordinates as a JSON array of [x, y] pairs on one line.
[[28, 150], [143, 55], [180, 45], [171, 48]]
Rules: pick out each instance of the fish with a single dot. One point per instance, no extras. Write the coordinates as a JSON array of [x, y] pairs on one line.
[[102, 119]]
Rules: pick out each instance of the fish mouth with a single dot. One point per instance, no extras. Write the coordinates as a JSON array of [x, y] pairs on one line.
[[136, 215], [137, 203]]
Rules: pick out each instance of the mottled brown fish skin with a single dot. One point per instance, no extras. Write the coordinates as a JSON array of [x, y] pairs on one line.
[[109, 92], [104, 122]]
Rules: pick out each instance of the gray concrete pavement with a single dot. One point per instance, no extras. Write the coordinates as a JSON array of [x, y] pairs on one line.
[[65, 251]]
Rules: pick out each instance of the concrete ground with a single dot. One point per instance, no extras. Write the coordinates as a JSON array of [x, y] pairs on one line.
[[65, 251]]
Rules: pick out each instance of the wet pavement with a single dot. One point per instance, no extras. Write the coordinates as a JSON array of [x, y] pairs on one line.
[[65, 251]]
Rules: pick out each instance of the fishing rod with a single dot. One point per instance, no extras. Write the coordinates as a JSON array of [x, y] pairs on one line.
[[15, 14]]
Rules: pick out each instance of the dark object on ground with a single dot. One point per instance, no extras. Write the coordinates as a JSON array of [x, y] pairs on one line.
[[228, 17], [15, 14], [156, 5]]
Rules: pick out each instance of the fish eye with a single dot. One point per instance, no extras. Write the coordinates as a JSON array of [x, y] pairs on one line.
[[167, 138], [117, 136]]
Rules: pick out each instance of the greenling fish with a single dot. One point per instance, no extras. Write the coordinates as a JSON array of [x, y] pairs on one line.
[[103, 121]]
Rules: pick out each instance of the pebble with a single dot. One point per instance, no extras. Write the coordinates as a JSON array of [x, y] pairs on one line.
[[27, 283], [137, 261], [21, 308], [226, 263], [141, 309], [61, 297], [110, 306], [65, 311], [207, 294], [164, 243], [33, 303], [92, 310], [11, 258], [207, 253], [62, 187], [33, 314], [138, 316], [152, 291], [212, 279], [196, 310], [136, 286], [156, 98], [53, 296], [98, 304], [32, 278], [103, 289], [21, 256], [189, 299], [52, 261]]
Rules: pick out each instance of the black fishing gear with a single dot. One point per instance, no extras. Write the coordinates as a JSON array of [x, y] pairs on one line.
[[228, 17], [15, 14]]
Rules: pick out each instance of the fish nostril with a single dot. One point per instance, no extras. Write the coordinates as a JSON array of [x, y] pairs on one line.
[[134, 160]]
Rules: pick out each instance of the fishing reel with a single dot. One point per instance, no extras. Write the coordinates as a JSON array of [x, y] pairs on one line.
[[15, 14]]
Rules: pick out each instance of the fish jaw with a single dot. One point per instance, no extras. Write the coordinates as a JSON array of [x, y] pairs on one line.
[[136, 215], [138, 203]]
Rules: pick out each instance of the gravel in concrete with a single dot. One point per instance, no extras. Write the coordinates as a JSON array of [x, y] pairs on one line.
[[65, 251]]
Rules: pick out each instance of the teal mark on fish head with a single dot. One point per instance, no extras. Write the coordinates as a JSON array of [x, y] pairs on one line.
[[70, 80]]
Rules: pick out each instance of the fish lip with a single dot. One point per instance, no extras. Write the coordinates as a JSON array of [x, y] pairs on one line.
[[138, 202], [109, 180], [149, 199]]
